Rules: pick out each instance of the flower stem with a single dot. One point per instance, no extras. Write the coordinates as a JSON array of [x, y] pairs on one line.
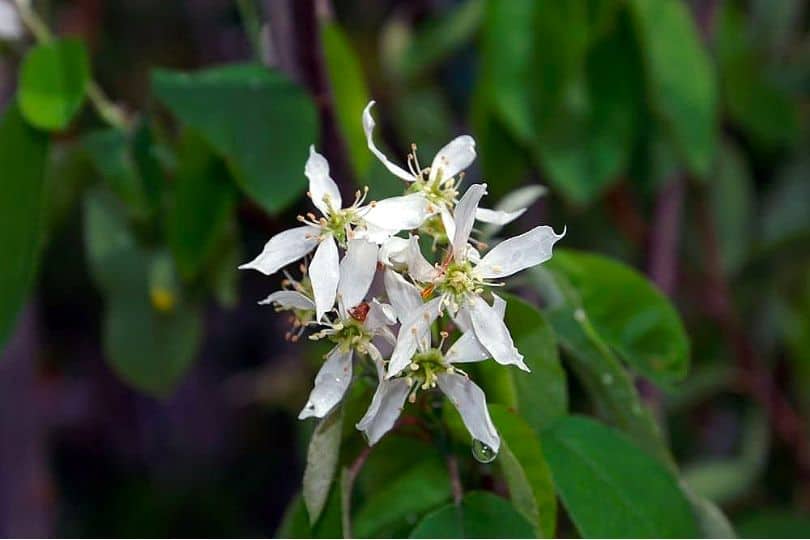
[[347, 486], [106, 109], [455, 478]]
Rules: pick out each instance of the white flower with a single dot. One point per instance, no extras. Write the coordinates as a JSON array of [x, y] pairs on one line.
[[358, 324], [437, 184], [428, 368], [465, 275], [11, 27]]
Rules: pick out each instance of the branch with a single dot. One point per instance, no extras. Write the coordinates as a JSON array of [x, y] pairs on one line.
[[754, 376], [347, 486], [455, 479]]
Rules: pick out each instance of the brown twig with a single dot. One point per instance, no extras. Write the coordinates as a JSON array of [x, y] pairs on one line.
[[663, 262], [754, 377], [348, 488], [455, 478]]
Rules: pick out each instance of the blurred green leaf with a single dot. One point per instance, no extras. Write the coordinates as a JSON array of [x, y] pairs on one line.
[[350, 94], [526, 471], [150, 334], [611, 488], [255, 118], [203, 205], [731, 197], [681, 79], [766, 112], [112, 156], [587, 142], [295, 521], [23, 154], [68, 172], [784, 213], [53, 81], [439, 37], [322, 461], [543, 393], [417, 490], [480, 515], [774, 523], [628, 313], [723, 480], [711, 520]]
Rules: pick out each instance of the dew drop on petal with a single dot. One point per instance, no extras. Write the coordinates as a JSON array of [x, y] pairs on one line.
[[483, 453]]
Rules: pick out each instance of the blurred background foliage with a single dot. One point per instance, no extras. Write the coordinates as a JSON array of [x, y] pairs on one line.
[[142, 391]]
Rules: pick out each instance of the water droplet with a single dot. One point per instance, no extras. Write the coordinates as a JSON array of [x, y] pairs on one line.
[[483, 453], [607, 378]]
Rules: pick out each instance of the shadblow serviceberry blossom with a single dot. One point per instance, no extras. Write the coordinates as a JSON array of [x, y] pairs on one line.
[[420, 301]]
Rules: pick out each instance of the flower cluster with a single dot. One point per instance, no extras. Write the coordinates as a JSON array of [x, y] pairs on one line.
[[400, 335]]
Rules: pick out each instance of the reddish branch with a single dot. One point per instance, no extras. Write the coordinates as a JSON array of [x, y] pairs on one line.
[[753, 377]]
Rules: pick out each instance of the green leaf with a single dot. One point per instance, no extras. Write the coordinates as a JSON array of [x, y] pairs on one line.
[[112, 156], [23, 154], [350, 94], [256, 119], [774, 523], [724, 480], [607, 382], [542, 393], [681, 83], [731, 197], [588, 141], [754, 100], [203, 205], [526, 471], [150, 334], [628, 313], [611, 488], [295, 522], [439, 37], [711, 520], [417, 490], [322, 461], [53, 81], [480, 515]]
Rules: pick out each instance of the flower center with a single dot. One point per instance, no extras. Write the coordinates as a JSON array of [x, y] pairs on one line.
[[440, 192], [459, 280], [348, 334], [339, 223], [425, 368]]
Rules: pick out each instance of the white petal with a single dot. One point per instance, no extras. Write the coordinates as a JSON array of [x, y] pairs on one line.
[[321, 185], [392, 251], [357, 271], [331, 383], [368, 127], [521, 198], [497, 217], [462, 319], [282, 249], [493, 334], [386, 405], [518, 253], [404, 296], [324, 271], [379, 315], [418, 267], [465, 216], [397, 213], [11, 26], [448, 223], [472, 405], [414, 331], [456, 156], [289, 300], [467, 348]]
